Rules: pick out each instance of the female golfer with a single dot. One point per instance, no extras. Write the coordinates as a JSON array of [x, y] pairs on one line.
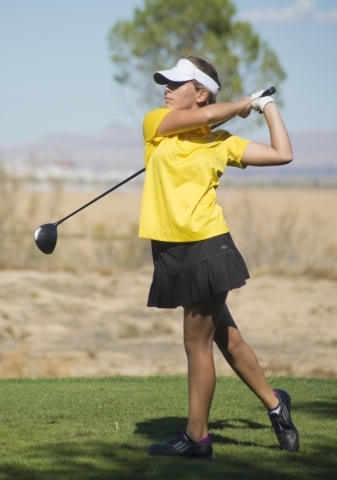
[[195, 260]]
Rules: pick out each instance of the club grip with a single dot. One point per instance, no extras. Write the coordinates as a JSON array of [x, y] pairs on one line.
[[269, 91]]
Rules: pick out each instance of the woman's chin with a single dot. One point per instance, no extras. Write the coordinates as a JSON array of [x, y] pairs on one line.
[[169, 104]]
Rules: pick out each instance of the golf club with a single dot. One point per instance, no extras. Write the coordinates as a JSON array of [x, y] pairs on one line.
[[46, 235]]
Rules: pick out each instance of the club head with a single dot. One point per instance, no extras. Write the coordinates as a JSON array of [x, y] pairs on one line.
[[46, 237]]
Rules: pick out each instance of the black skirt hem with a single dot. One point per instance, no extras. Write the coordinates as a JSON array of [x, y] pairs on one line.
[[199, 282]]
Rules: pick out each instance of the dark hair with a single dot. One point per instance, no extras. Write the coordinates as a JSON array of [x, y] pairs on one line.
[[211, 72]]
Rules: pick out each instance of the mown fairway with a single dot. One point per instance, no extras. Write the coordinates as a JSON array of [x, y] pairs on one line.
[[100, 428]]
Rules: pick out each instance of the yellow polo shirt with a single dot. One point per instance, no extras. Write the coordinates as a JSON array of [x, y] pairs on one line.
[[182, 174]]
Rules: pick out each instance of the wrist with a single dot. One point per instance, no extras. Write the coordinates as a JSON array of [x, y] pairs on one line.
[[268, 105], [263, 102], [244, 104]]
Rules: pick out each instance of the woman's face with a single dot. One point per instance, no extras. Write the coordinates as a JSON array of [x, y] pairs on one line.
[[181, 96]]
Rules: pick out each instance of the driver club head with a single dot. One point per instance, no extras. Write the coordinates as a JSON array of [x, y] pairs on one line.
[[46, 237]]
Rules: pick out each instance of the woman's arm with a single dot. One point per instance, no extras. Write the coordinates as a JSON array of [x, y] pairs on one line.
[[279, 152], [178, 121]]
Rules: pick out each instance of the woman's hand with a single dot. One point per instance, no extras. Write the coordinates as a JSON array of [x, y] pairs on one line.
[[246, 107]]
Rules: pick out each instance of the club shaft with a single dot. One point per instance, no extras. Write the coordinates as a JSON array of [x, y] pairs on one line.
[[101, 196]]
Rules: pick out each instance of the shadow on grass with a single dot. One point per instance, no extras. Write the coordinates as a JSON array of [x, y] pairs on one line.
[[237, 424], [322, 409], [94, 460], [161, 429]]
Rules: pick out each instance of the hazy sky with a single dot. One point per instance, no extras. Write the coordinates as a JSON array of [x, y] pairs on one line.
[[56, 75]]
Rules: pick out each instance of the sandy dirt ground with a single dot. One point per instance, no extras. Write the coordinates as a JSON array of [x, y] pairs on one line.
[[90, 324], [57, 323]]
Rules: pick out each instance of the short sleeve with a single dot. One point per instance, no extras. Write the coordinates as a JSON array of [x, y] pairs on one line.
[[152, 120], [235, 148]]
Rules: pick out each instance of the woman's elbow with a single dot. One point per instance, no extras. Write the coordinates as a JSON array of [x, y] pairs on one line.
[[286, 160], [284, 156], [278, 161]]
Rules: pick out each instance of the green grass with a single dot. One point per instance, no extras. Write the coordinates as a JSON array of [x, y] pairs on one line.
[[100, 429]]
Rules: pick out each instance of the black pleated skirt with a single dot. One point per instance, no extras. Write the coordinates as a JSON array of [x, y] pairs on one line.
[[190, 272]]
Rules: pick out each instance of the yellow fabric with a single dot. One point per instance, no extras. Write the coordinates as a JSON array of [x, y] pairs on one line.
[[182, 173]]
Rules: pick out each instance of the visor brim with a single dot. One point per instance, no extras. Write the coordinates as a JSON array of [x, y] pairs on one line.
[[164, 77]]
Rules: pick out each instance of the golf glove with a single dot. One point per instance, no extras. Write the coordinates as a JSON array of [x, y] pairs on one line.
[[256, 95], [259, 103]]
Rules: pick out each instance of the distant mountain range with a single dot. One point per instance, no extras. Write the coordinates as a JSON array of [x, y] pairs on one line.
[[114, 149], [315, 149], [121, 149]]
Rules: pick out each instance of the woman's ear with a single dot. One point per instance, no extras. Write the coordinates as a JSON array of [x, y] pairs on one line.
[[202, 96]]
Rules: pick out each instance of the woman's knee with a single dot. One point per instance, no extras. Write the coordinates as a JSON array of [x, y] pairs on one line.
[[198, 336], [235, 341], [196, 343], [229, 340], [189, 341]]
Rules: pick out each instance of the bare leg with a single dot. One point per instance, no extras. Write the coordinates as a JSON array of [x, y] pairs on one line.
[[242, 359], [200, 321]]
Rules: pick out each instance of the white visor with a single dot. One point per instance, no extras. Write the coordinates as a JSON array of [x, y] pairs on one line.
[[185, 71]]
